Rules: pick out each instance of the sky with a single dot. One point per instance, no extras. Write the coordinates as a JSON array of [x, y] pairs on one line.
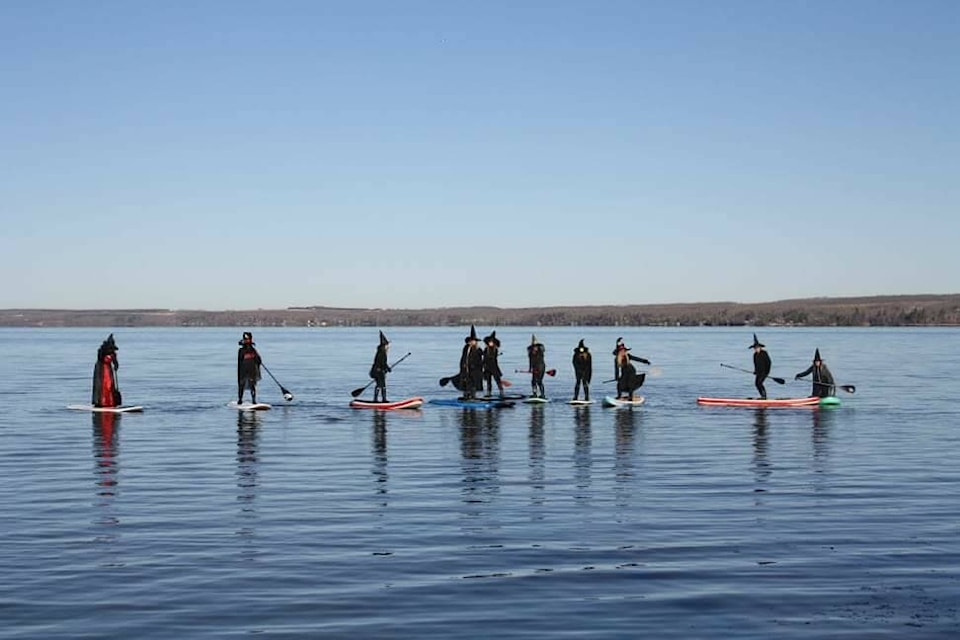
[[383, 154]]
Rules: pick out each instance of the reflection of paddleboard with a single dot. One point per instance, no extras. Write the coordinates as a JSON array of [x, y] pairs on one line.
[[580, 403], [610, 401], [408, 403], [249, 406], [535, 400], [90, 407]]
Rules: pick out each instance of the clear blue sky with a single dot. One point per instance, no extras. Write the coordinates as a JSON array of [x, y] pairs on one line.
[[224, 155]]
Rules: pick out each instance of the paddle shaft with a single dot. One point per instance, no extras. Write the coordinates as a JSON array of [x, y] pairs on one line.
[[549, 372], [774, 378], [357, 392], [282, 389]]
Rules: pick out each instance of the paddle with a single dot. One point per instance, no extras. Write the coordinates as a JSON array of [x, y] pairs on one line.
[[549, 372], [849, 388], [357, 392], [774, 378], [286, 394]]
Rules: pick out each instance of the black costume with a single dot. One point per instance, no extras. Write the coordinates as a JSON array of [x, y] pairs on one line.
[[823, 384], [538, 367], [248, 367], [761, 366], [583, 369], [491, 368], [471, 366], [628, 380], [379, 369]]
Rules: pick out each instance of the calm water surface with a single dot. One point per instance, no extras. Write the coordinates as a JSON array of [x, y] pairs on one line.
[[316, 520]]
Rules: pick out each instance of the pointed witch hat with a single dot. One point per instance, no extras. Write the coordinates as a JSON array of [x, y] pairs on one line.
[[816, 356], [383, 339], [492, 338], [581, 348], [756, 343], [472, 336]]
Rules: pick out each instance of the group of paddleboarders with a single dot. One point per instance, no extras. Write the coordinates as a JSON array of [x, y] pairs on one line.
[[479, 367]]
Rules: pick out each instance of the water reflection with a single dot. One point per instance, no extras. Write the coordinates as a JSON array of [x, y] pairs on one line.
[[378, 446], [760, 464], [820, 433], [582, 453], [625, 435], [106, 471], [537, 453], [248, 472], [480, 454]]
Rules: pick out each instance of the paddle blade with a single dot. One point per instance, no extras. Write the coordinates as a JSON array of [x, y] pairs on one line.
[[778, 380], [505, 382], [849, 388], [286, 394], [551, 372], [357, 392], [443, 382]]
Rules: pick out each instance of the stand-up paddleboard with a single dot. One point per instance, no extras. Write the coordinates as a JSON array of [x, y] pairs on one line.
[[580, 403], [610, 401], [472, 404], [811, 401], [407, 403], [506, 396], [535, 400], [830, 401], [90, 407], [249, 406]]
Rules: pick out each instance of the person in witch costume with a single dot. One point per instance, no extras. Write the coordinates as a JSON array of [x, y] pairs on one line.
[[583, 369], [106, 393], [823, 384], [538, 367], [248, 367], [379, 369], [471, 366], [628, 380], [491, 368], [761, 366]]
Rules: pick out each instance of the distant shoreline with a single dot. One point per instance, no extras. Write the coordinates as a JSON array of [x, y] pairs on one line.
[[867, 311]]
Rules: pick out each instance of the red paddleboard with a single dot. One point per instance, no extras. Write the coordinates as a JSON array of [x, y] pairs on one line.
[[407, 403], [759, 402]]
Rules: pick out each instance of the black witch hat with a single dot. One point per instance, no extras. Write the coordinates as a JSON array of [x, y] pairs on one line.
[[247, 338], [383, 339], [816, 356], [756, 343], [492, 338], [620, 347], [472, 336], [581, 348], [109, 344]]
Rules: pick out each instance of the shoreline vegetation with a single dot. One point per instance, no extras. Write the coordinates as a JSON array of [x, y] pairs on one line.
[[872, 311]]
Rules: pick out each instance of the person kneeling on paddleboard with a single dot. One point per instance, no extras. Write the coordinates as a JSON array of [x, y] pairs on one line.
[[379, 369], [248, 367], [823, 384], [105, 390], [628, 380]]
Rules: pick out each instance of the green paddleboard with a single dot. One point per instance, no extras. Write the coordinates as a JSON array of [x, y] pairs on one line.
[[830, 401]]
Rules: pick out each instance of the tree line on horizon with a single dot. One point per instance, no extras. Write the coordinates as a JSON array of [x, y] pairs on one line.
[[878, 311]]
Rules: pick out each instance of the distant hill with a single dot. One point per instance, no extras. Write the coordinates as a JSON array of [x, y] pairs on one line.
[[885, 311]]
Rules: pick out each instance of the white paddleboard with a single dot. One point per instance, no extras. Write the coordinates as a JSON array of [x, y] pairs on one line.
[[580, 403], [535, 400], [90, 407], [610, 401], [249, 406]]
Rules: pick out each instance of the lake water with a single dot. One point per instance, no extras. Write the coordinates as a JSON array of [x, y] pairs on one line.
[[316, 520]]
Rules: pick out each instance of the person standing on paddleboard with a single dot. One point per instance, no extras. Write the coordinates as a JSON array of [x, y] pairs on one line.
[[491, 368], [628, 380], [823, 384], [379, 369], [105, 390], [248, 367], [761, 366], [471, 366], [538, 367], [583, 369]]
